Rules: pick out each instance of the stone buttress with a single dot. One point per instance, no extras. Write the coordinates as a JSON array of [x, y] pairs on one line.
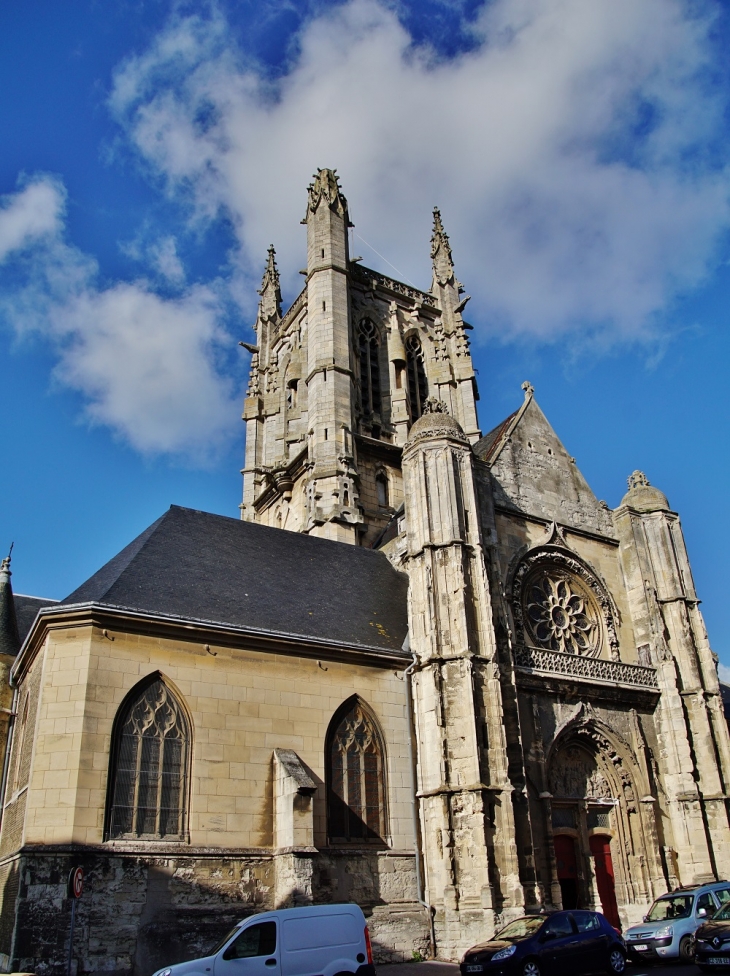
[[691, 727], [470, 857]]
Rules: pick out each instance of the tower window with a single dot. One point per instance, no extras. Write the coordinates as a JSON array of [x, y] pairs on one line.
[[370, 400], [355, 764], [381, 487], [291, 394], [417, 384], [150, 764]]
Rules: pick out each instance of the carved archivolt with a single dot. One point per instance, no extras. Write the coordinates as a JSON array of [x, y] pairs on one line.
[[575, 775], [560, 605]]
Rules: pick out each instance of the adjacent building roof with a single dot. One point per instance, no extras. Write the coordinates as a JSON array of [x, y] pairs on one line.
[[26, 610], [201, 567]]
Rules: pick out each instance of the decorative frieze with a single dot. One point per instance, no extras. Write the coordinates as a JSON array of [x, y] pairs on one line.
[[370, 276], [584, 668]]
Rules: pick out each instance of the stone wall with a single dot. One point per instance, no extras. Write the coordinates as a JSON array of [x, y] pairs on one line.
[[139, 913]]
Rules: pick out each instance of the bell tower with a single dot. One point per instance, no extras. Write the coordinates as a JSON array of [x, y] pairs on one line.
[[338, 380]]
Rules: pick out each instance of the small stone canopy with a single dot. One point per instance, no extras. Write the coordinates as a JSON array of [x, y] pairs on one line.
[[642, 496], [435, 421]]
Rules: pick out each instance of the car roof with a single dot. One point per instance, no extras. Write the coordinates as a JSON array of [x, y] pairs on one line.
[[339, 908]]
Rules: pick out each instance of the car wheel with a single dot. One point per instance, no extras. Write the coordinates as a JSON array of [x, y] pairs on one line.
[[687, 949], [616, 962], [531, 968]]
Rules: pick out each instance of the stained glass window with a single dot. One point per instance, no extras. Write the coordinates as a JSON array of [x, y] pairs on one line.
[[356, 776], [151, 751]]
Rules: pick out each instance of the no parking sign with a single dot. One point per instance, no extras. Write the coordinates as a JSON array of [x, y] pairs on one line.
[[76, 883], [75, 889]]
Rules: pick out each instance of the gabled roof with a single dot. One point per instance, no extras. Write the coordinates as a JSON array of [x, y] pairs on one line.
[[487, 447], [533, 474], [200, 567]]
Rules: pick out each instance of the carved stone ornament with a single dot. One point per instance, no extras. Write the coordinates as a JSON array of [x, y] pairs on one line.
[[574, 774], [559, 605]]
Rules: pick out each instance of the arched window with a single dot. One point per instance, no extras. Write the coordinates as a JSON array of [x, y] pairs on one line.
[[370, 400], [417, 384], [355, 765], [150, 756], [381, 487]]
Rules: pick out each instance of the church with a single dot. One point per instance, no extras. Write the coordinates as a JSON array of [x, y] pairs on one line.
[[426, 670]]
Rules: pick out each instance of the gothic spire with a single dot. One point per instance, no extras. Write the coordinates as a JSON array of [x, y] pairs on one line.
[[443, 263], [9, 637], [270, 290], [326, 187]]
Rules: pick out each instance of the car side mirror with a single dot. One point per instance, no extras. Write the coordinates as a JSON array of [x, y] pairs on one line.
[[702, 912], [645, 918], [547, 936]]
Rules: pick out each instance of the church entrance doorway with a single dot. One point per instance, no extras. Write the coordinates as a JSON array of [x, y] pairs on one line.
[[600, 845], [567, 870]]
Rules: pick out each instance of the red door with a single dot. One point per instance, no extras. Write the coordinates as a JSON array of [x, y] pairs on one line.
[[567, 869], [601, 852]]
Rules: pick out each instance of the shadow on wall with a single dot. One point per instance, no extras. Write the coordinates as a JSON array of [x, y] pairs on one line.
[[137, 915]]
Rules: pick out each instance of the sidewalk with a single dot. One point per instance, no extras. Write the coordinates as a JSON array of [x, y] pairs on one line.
[[432, 967]]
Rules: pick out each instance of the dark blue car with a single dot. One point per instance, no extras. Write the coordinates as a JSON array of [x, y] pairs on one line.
[[564, 943]]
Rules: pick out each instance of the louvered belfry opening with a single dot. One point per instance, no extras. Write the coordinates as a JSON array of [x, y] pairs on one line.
[[417, 383], [356, 808], [370, 399], [151, 766]]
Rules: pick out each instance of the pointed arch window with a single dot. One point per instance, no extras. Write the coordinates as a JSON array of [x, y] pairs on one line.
[[355, 767], [368, 347], [381, 488], [417, 384], [150, 759]]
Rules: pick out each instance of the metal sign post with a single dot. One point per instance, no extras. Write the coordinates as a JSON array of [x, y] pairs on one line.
[[75, 889]]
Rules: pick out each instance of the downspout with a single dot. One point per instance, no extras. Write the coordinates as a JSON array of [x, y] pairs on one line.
[[414, 806], [8, 749]]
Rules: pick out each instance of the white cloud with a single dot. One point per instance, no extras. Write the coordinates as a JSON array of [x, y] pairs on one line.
[[570, 151], [35, 212], [148, 367]]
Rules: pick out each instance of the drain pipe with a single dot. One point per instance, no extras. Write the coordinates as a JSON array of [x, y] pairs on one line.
[[416, 819]]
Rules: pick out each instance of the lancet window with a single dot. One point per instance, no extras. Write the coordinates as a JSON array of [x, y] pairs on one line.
[[417, 384], [370, 398], [150, 756], [355, 776]]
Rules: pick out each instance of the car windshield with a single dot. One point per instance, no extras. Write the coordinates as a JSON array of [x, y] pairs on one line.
[[219, 945], [520, 928], [724, 912], [673, 906]]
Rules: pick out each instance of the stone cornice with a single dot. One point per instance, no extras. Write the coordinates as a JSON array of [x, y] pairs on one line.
[[124, 620]]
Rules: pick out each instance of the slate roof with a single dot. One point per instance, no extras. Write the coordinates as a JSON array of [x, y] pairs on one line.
[[26, 608], [202, 567], [487, 446]]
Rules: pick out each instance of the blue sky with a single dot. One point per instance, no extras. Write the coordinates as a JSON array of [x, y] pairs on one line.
[[580, 154]]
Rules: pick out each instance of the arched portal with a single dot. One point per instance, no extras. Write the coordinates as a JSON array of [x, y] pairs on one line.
[[597, 820]]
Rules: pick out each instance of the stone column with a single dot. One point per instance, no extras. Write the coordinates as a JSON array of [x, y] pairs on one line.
[[695, 746], [470, 855]]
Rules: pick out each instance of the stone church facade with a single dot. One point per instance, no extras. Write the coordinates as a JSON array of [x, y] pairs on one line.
[[426, 671]]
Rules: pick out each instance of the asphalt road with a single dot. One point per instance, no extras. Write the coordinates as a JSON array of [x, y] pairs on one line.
[[435, 968]]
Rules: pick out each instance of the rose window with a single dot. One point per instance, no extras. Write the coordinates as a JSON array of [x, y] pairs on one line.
[[561, 615]]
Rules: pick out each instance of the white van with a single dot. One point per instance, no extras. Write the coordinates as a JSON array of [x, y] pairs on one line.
[[318, 940]]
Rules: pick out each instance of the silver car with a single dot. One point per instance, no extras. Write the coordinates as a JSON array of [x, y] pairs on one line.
[[668, 930]]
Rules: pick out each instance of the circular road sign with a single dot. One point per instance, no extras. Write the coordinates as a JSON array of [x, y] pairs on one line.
[[76, 882]]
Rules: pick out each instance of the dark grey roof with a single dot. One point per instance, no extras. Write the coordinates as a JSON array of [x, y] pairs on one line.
[[203, 567], [486, 446], [26, 608]]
